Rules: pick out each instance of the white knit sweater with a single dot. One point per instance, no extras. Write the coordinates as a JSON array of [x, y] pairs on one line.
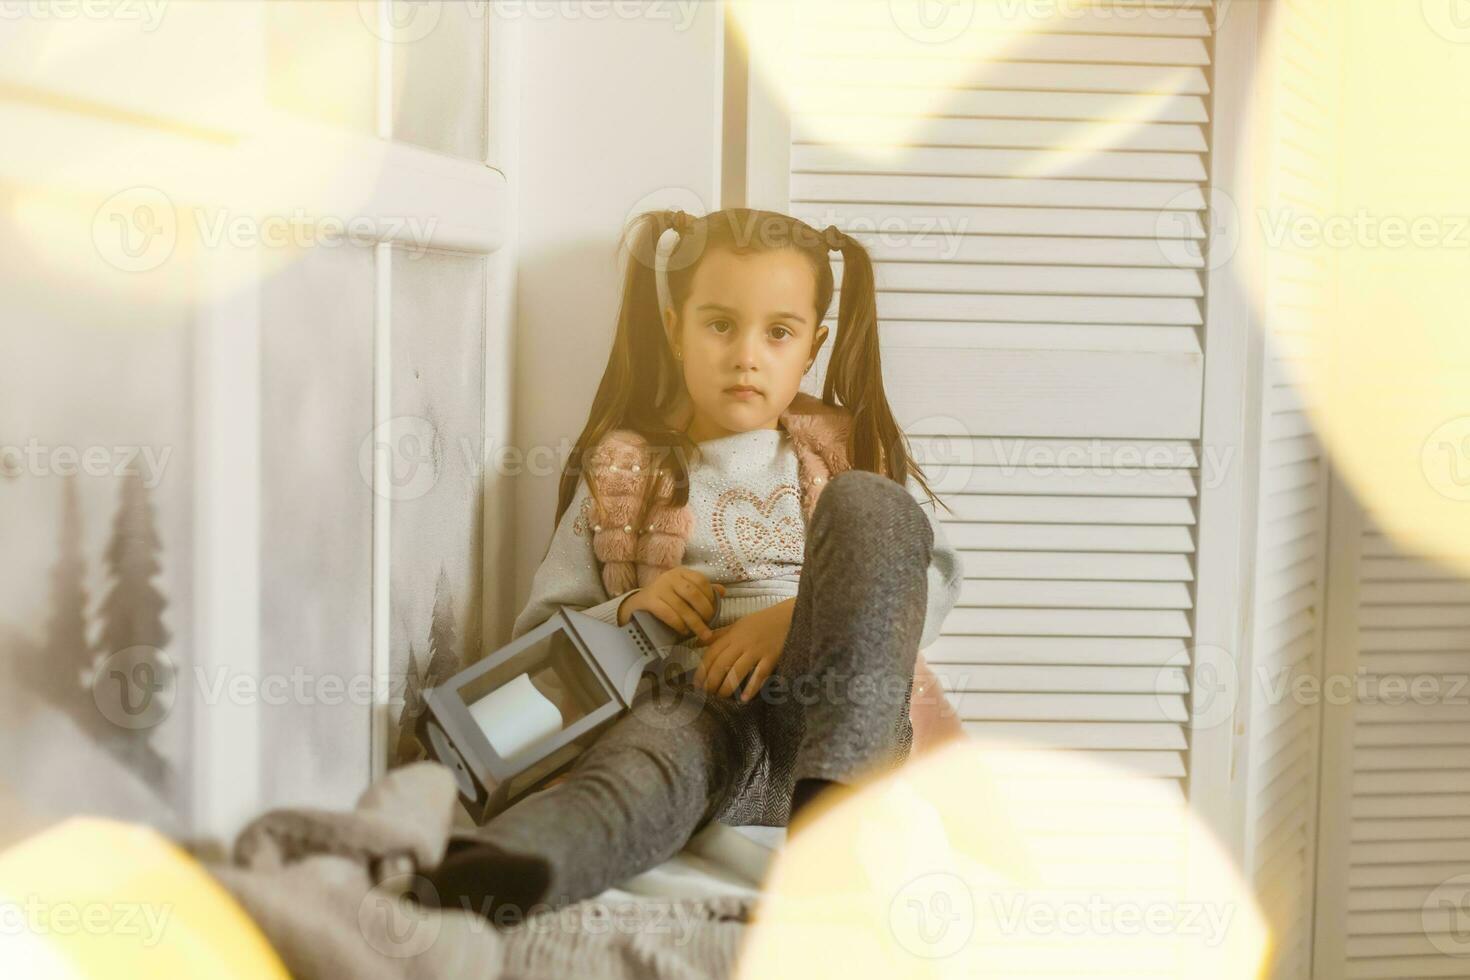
[[749, 534]]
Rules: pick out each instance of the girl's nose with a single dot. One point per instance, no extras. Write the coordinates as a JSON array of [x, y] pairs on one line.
[[746, 354]]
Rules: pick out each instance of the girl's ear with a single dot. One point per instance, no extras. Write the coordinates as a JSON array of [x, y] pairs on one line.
[[671, 326], [818, 340]]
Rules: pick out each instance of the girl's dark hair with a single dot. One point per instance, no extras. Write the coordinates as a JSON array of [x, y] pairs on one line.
[[642, 381]]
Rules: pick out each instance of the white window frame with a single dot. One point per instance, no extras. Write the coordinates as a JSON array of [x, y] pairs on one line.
[[444, 201]]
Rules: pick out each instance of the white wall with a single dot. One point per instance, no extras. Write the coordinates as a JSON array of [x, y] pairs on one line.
[[617, 115]]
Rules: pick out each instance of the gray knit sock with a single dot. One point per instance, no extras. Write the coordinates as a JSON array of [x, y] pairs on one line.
[[480, 877], [806, 790]]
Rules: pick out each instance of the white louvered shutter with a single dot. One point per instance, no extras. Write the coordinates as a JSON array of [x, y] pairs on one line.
[[1359, 790], [1291, 550], [1284, 727], [1359, 793], [1292, 510], [1038, 243], [1394, 865]]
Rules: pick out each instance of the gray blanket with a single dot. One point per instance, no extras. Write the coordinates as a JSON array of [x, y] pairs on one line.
[[332, 893]]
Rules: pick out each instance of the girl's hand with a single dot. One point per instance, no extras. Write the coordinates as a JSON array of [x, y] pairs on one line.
[[681, 598], [748, 647]]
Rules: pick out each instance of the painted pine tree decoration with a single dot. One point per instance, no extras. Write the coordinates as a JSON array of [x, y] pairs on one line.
[[132, 616], [64, 666]]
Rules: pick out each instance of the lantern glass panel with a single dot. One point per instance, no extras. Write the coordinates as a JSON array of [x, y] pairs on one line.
[[558, 672]]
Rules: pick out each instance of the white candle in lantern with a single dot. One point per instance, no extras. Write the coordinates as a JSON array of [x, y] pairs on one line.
[[514, 715]]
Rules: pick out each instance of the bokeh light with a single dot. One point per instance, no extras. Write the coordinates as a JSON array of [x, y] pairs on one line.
[[101, 899], [125, 178], [1356, 248], [995, 859], [874, 75]]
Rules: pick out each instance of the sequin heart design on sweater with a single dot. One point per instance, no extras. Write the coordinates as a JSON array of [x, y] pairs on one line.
[[751, 532]]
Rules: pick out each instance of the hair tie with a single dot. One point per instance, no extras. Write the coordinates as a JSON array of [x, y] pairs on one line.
[[678, 224], [834, 238]]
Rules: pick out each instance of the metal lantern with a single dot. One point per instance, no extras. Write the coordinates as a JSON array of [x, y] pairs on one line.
[[523, 714]]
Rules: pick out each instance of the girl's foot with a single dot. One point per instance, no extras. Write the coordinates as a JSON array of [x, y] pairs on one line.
[[807, 792], [479, 877]]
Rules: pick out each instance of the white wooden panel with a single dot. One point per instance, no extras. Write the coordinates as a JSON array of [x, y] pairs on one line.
[[435, 551], [1110, 566], [1055, 650], [963, 161], [1055, 480], [1402, 816], [403, 193], [243, 135], [1448, 733], [1069, 707], [1068, 622], [1383, 594], [1131, 454], [901, 188], [1171, 18], [1017, 44], [836, 100], [1129, 338], [1145, 79], [1114, 254], [1045, 393], [1046, 280], [1068, 510], [1076, 537], [1013, 133], [926, 223], [1084, 595], [1037, 308], [1290, 583], [1074, 735], [1095, 680], [316, 521], [127, 61]]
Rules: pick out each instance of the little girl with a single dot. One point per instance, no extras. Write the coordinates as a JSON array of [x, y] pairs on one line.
[[712, 483]]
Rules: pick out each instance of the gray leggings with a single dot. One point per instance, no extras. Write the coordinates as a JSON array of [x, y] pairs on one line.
[[836, 707]]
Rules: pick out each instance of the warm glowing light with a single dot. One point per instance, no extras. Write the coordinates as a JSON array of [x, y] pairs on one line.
[[876, 77], [146, 144], [96, 899], [1357, 241], [994, 859]]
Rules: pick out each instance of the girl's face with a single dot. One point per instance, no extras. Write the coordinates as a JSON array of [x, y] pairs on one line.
[[746, 335]]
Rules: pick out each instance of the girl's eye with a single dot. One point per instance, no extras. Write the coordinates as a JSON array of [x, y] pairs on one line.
[[724, 326]]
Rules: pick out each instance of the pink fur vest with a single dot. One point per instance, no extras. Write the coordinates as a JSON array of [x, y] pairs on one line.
[[634, 547]]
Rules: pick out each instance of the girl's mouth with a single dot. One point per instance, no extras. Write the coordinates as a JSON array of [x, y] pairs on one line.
[[742, 392]]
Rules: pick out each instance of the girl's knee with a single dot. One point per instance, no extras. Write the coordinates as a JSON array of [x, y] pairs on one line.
[[859, 502], [860, 492]]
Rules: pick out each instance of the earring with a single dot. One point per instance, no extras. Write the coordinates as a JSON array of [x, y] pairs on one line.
[[678, 355]]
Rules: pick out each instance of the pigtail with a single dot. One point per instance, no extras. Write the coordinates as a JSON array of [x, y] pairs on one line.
[[855, 375], [642, 378]]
